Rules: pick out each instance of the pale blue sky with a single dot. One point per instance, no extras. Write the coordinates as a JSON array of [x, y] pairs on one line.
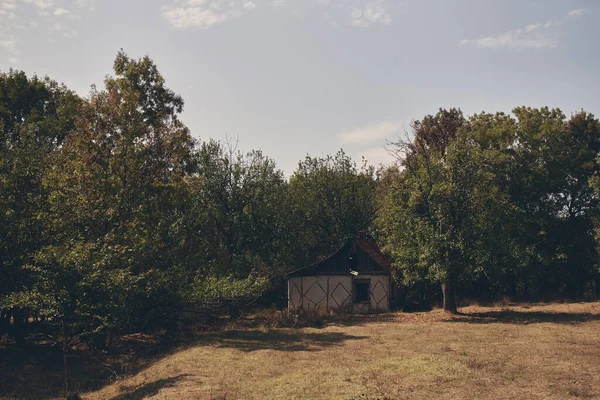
[[293, 77]]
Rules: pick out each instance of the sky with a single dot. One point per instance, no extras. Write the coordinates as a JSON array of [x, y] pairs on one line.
[[298, 77]]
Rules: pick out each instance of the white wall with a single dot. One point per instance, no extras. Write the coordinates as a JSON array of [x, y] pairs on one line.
[[334, 292]]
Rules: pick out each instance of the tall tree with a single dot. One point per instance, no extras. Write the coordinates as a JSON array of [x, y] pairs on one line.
[[331, 199], [117, 206], [505, 206], [237, 200], [444, 207], [35, 116], [553, 164]]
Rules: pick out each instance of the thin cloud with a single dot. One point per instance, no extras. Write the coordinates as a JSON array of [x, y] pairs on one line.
[[531, 37], [202, 14], [534, 36], [374, 12], [41, 4], [280, 3], [205, 14], [576, 13], [8, 5], [9, 44], [54, 16], [370, 133], [61, 11], [377, 155], [90, 5]]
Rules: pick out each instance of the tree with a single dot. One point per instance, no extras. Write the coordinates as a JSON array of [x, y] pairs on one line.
[[156, 102], [236, 220], [330, 200], [237, 198], [443, 208], [504, 206], [553, 164], [35, 116], [118, 208]]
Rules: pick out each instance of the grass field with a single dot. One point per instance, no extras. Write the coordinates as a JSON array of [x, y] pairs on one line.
[[510, 352]]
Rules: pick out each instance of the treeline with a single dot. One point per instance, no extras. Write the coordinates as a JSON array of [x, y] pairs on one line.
[[114, 219], [496, 205]]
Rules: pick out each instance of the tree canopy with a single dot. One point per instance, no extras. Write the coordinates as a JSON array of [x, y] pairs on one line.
[[496, 204], [115, 219]]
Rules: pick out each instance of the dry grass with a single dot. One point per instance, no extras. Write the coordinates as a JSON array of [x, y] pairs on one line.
[[510, 352]]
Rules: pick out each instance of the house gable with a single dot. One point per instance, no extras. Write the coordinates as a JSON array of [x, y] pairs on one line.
[[358, 255]]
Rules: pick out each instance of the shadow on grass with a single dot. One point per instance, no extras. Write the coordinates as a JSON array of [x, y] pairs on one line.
[[148, 389], [525, 317], [37, 373], [363, 319], [281, 340]]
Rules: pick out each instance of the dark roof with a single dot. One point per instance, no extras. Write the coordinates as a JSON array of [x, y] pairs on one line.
[[359, 254], [367, 243]]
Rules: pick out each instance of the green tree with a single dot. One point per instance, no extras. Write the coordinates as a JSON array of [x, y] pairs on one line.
[[35, 116], [236, 217], [117, 212], [330, 199], [504, 206], [551, 169], [442, 211]]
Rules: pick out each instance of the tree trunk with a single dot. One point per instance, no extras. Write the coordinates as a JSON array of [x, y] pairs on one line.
[[449, 292], [64, 351], [19, 328], [513, 286], [4, 322]]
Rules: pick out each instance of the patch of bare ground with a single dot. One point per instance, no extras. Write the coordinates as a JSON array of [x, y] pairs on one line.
[[533, 351]]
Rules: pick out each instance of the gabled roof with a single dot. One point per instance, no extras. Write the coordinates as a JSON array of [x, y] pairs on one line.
[[368, 259], [367, 243]]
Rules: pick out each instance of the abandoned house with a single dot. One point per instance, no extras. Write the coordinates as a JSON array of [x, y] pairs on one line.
[[357, 278]]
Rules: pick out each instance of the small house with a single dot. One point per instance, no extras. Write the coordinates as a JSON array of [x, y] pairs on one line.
[[357, 278]]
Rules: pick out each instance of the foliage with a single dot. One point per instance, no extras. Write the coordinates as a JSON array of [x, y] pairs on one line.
[[236, 198], [35, 115], [495, 204], [440, 219], [114, 219], [331, 199]]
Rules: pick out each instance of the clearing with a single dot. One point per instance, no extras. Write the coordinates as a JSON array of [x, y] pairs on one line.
[[515, 351], [536, 351]]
